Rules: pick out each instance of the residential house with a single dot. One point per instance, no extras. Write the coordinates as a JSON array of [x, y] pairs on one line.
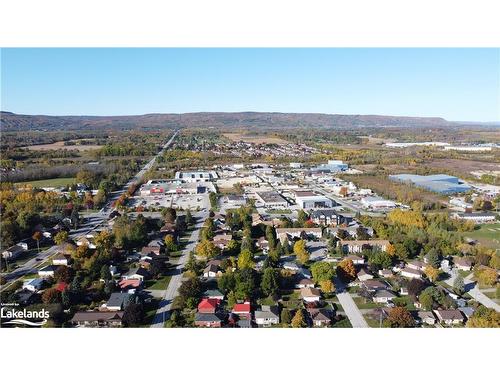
[[374, 285], [463, 264], [449, 317], [243, 310], [213, 294], [310, 294], [426, 317], [47, 271], [267, 316], [117, 301], [356, 259], [383, 296], [305, 283], [13, 252], [208, 306], [320, 317], [130, 285], [263, 244], [207, 320], [411, 273], [137, 273], [363, 275], [151, 250], [98, 319], [416, 265], [61, 259], [34, 285], [85, 241], [211, 271], [385, 273], [292, 266]]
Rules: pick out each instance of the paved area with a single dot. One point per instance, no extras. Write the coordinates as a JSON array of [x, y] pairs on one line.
[[473, 290], [350, 309], [168, 295]]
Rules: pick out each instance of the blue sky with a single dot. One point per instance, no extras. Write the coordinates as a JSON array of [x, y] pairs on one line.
[[457, 84]]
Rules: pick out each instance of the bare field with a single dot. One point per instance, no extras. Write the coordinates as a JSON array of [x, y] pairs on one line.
[[464, 165], [257, 139], [61, 146]]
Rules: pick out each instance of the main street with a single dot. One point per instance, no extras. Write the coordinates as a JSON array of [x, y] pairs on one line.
[[165, 305], [92, 221]]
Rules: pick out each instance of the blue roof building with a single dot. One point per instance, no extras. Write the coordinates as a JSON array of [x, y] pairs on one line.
[[438, 183]]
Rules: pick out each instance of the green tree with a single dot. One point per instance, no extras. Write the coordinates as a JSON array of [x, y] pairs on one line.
[[458, 284], [270, 281], [286, 317], [206, 249], [245, 259], [322, 271], [61, 237]]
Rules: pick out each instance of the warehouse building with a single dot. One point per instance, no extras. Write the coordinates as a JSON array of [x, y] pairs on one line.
[[333, 166], [196, 176], [271, 199], [438, 183], [309, 199], [476, 217], [377, 203], [164, 187]]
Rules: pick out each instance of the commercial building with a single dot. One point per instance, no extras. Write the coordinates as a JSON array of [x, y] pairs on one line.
[[377, 203], [271, 199], [309, 199], [196, 176], [476, 217], [438, 183], [333, 166], [162, 187]]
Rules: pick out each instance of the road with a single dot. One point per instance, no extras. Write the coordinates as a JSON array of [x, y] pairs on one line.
[[93, 221], [163, 312], [473, 290], [350, 309]]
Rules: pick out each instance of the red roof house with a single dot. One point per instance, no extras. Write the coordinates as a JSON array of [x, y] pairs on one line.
[[208, 305], [242, 308]]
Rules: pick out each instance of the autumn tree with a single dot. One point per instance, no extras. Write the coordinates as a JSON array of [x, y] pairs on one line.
[[51, 295], [206, 249], [346, 270], [400, 317], [486, 276], [327, 286], [484, 317], [298, 320], [432, 273], [37, 236], [300, 251]]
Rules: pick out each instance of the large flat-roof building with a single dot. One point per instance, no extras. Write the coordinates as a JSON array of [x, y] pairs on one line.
[[310, 199], [271, 199], [162, 187], [195, 176], [438, 183]]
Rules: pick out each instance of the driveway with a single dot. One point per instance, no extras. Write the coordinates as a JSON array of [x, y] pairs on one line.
[[473, 290], [350, 309]]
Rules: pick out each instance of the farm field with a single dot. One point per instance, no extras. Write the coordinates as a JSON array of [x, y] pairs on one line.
[[257, 139], [61, 146], [53, 182]]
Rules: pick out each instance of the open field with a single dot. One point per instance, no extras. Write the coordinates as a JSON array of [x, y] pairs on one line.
[[61, 146], [53, 182], [257, 139], [487, 235]]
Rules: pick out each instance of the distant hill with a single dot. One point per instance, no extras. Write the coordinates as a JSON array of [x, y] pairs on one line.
[[15, 122]]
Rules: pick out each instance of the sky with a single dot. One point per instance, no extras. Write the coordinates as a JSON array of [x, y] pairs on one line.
[[456, 84]]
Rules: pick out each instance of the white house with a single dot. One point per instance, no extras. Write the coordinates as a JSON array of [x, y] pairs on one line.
[[449, 317], [267, 316], [47, 271], [33, 285], [383, 296], [363, 275], [310, 294], [411, 273], [60, 260], [211, 271]]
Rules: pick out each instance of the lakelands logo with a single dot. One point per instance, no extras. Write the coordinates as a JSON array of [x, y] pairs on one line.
[[24, 317]]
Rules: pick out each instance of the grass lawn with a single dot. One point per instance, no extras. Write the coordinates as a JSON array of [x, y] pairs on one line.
[[360, 302], [160, 284], [53, 182], [372, 323], [487, 235], [175, 254], [344, 323]]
